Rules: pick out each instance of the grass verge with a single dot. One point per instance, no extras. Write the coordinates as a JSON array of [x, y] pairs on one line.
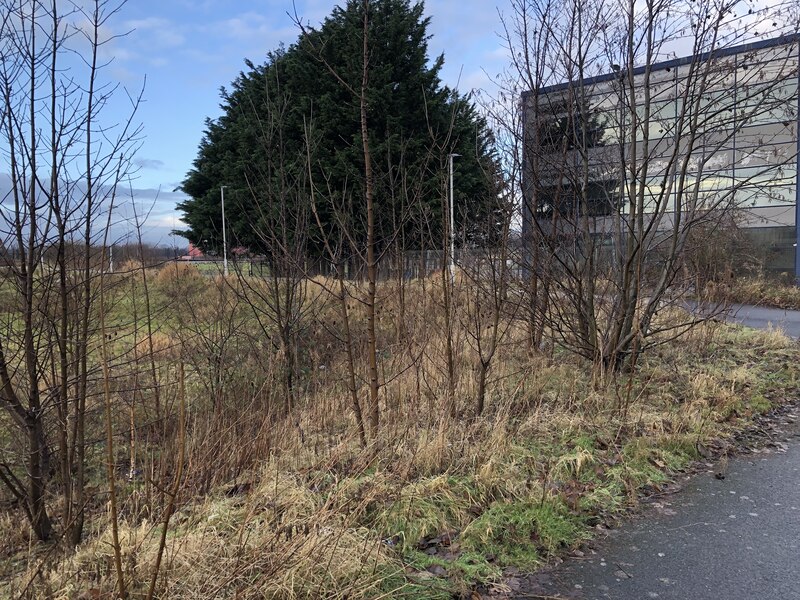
[[440, 505]]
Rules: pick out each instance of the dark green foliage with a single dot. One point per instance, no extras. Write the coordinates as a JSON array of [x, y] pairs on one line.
[[304, 99]]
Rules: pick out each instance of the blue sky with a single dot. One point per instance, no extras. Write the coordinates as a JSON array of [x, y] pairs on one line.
[[188, 49]]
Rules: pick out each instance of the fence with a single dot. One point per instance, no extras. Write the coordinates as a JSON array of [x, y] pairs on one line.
[[412, 264]]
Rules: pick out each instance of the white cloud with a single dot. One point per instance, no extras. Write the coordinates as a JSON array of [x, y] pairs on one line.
[[499, 53], [148, 23], [475, 80], [167, 221], [162, 32], [245, 26]]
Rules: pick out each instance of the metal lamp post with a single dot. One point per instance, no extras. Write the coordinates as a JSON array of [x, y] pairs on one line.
[[452, 223], [224, 237]]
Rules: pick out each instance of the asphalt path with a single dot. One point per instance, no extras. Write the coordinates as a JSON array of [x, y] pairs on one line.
[[761, 317], [731, 533]]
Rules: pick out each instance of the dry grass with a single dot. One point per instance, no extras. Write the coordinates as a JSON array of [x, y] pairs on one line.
[[779, 292], [276, 542], [277, 507]]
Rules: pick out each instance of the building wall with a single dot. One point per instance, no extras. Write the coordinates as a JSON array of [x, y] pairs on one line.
[[727, 140]]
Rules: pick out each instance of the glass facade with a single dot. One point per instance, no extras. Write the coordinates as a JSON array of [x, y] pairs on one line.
[[774, 247], [711, 132]]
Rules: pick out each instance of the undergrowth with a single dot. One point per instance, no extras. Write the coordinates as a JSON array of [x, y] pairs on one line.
[[296, 508], [778, 292]]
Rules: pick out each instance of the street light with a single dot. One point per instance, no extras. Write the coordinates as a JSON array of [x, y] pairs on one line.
[[224, 238], [452, 223]]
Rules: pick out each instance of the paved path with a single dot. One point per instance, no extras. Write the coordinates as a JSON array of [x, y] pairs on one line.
[[761, 317], [736, 538], [732, 539]]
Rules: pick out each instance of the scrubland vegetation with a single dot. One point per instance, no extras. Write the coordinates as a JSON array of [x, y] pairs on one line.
[[259, 496], [383, 431], [778, 292]]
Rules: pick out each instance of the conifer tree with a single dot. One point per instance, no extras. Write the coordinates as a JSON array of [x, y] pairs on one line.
[[415, 122]]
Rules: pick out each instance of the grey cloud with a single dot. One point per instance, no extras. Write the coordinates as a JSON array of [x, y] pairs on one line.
[[154, 208], [152, 164]]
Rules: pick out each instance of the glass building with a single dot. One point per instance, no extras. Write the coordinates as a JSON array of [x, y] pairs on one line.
[[695, 137]]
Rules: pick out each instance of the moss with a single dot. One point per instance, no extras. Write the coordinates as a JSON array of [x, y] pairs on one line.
[[523, 533], [759, 403], [465, 570], [608, 498], [584, 441], [399, 584], [678, 451], [640, 465]]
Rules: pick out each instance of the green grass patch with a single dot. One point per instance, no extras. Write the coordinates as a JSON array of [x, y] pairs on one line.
[[427, 507], [398, 584], [523, 533], [466, 569]]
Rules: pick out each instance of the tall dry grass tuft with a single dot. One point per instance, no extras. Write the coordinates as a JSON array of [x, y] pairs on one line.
[[779, 292]]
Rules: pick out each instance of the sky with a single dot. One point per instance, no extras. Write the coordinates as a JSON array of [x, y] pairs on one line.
[[188, 49]]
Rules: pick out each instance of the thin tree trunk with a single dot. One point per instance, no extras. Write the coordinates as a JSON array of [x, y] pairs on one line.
[[351, 364], [374, 410], [173, 493], [449, 354]]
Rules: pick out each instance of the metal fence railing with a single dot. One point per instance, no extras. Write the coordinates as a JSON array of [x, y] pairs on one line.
[[412, 264]]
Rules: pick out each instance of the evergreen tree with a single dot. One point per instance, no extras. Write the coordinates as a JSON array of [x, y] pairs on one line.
[[299, 96]]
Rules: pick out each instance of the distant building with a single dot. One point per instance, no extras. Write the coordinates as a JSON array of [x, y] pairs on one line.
[[742, 123], [193, 253]]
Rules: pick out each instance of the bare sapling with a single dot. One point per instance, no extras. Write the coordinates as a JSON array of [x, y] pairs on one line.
[[616, 173], [60, 184]]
